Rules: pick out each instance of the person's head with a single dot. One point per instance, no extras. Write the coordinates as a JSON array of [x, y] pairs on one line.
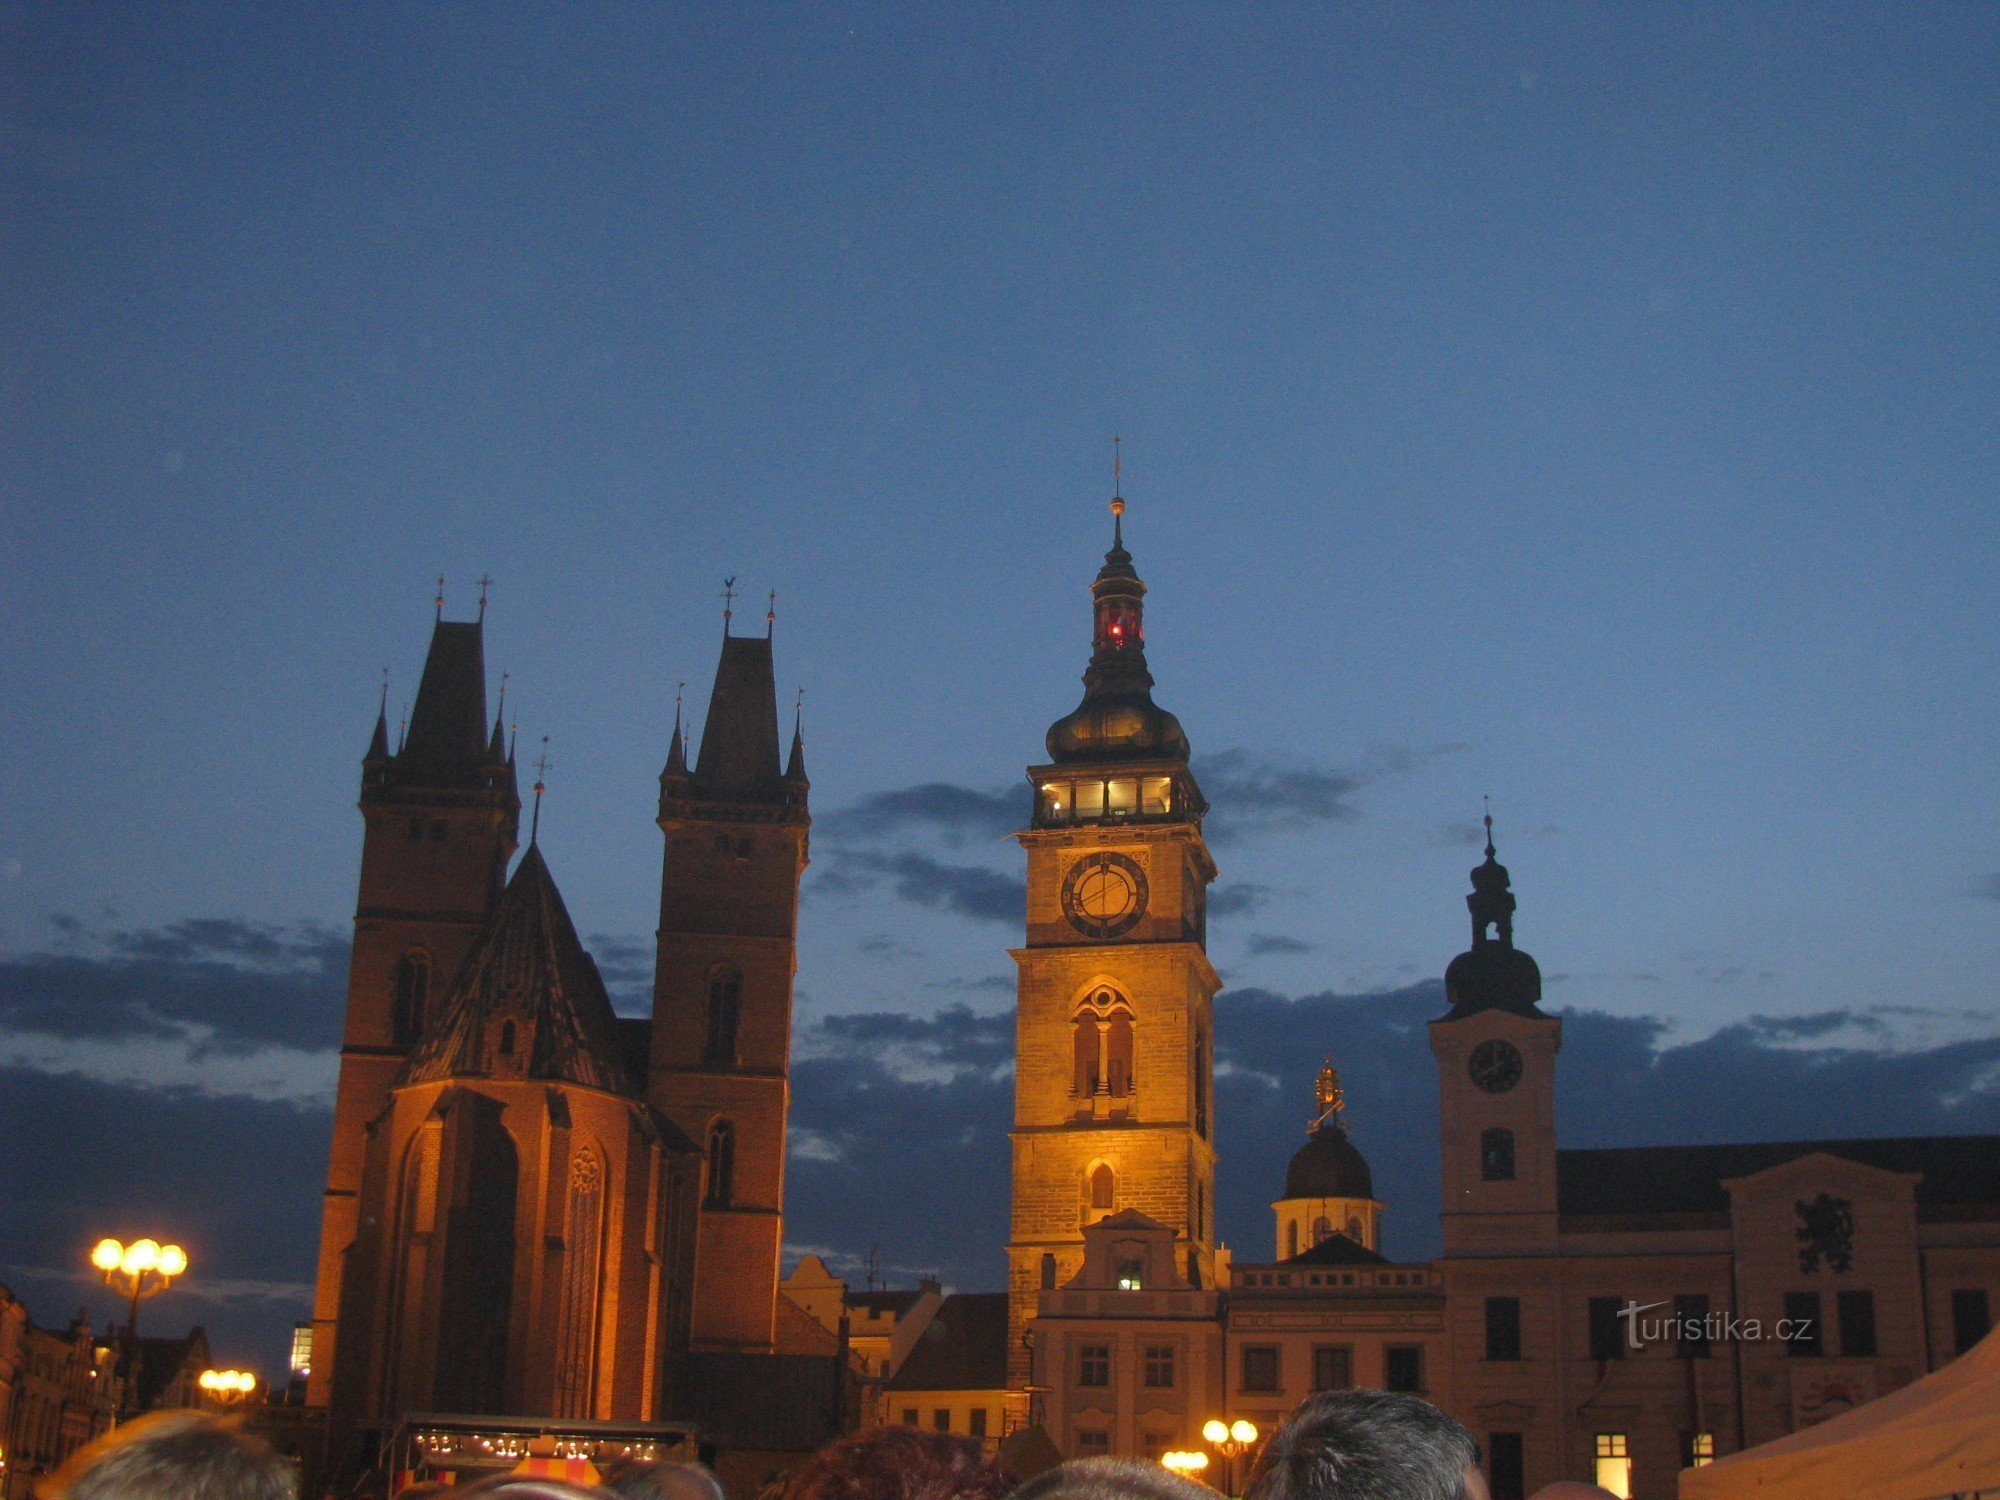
[[179, 1455], [646, 1480], [1368, 1445], [899, 1463], [1110, 1479]]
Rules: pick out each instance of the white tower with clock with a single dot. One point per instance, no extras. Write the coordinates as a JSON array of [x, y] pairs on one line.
[[1114, 1032], [1496, 1052]]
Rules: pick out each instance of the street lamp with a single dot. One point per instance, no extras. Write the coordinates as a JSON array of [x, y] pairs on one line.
[[227, 1386], [1188, 1463], [139, 1270], [1230, 1439]]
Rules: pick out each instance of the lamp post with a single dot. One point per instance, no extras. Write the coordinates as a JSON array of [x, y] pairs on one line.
[[227, 1387], [1229, 1439], [1186, 1462], [139, 1270]]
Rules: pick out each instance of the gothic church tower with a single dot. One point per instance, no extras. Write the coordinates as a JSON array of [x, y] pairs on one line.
[[1112, 1079], [736, 828], [441, 814]]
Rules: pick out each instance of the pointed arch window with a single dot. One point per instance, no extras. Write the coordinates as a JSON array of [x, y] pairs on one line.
[[725, 1014], [1102, 1047], [1103, 1188], [576, 1315], [411, 991], [1291, 1239], [721, 1165], [1496, 1155]]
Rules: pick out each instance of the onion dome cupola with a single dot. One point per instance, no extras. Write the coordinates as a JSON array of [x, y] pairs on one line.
[[1117, 719], [1329, 1189], [1117, 756], [1492, 974]]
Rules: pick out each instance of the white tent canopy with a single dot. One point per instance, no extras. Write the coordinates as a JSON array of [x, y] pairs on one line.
[[1937, 1437]]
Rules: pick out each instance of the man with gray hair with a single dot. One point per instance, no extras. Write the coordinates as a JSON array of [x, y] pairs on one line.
[[179, 1455], [1369, 1445]]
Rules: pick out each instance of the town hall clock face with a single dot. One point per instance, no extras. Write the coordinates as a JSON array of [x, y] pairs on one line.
[[1104, 895], [1495, 1066]]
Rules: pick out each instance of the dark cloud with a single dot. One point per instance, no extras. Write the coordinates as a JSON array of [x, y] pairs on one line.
[[965, 890], [1253, 795], [251, 984], [1988, 889], [997, 984], [1261, 943], [1237, 898], [1820, 1024], [626, 966], [955, 812], [881, 945]]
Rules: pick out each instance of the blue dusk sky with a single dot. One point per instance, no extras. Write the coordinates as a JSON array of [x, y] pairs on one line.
[[1589, 407]]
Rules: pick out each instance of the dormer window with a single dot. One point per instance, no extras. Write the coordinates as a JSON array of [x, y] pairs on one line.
[[1130, 1275]]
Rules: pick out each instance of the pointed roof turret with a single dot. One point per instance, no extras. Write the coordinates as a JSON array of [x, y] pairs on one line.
[[795, 763], [378, 743], [1117, 720], [528, 1001], [446, 743], [739, 738], [1492, 974], [677, 761]]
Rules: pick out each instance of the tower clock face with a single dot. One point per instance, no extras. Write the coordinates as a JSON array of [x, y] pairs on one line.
[[1495, 1066], [1104, 895]]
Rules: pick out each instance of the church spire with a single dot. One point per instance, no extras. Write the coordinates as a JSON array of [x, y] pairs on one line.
[[677, 761], [1491, 902], [795, 764], [378, 743], [1492, 974]]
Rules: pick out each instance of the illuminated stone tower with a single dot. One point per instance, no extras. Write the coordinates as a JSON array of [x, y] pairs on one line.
[[736, 828], [441, 815], [1112, 1079]]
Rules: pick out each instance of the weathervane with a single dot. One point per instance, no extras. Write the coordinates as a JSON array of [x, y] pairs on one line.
[[728, 602]]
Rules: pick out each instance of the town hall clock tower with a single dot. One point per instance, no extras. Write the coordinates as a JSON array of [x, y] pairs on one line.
[[1113, 1075]]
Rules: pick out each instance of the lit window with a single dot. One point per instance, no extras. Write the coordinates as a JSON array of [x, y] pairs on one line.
[[1131, 1275], [1054, 802], [1122, 799], [1090, 799], [1699, 1451], [1156, 796], [1614, 1465]]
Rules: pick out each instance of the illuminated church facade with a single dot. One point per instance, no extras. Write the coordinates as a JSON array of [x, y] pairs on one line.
[[534, 1206]]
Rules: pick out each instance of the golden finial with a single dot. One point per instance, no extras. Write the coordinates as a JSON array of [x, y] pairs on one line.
[[1327, 1093]]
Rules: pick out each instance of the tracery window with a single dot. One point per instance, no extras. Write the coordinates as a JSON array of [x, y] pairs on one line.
[[1102, 1047], [576, 1325], [412, 988], [721, 1165], [725, 1013]]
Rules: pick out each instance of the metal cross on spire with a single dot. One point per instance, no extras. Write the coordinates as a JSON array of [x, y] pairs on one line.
[[485, 583], [771, 615], [542, 764], [1117, 496], [439, 601], [1487, 802], [728, 602]]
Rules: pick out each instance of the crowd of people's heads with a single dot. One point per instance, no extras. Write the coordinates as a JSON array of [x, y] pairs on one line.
[[1343, 1445]]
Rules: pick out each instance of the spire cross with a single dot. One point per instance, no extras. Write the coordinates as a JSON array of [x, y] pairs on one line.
[[439, 601], [500, 712], [485, 583], [771, 615], [1117, 497], [542, 764], [799, 714], [1487, 803], [384, 710], [728, 602]]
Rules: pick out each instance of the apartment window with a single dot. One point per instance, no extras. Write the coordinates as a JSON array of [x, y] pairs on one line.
[[1093, 1443], [941, 1419], [1094, 1365], [1505, 1470], [1691, 1328], [1403, 1367], [1333, 1367], [1614, 1464], [1260, 1367], [909, 1416], [1971, 1317], [1801, 1331], [1496, 1155], [1607, 1329], [976, 1421], [1153, 1444], [1856, 1311], [1697, 1450], [1160, 1367], [1503, 1327], [1131, 1275]]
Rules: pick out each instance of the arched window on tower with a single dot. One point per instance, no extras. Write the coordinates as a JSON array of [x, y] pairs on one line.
[[1291, 1239], [1118, 1054], [1048, 1272], [721, 1165], [412, 988], [576, 1315], [1085, 1040], [725, 1012], [1496, 1155], [1103, 1188]]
